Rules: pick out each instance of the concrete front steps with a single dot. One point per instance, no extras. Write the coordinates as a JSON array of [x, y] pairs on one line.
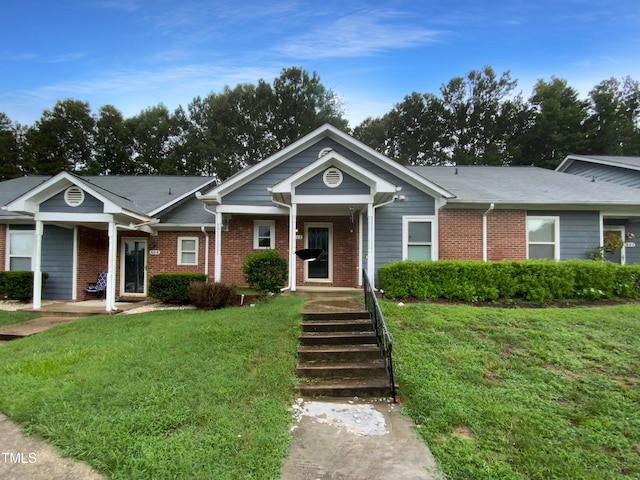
[[338, 357]]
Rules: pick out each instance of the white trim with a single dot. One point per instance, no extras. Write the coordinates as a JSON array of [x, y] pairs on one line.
[[623, 233], [8, 256], [181, 250], [329, 227], [123, 240], [556, 234], [256, 234], [74, 267], [331, 199], [250, 209], [73, 217], [432, 219]]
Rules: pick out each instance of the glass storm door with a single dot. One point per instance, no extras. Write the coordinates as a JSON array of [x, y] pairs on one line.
[[318, 237], [134, 255]]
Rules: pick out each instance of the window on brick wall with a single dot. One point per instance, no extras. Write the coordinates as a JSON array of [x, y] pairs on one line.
[[20, 248], [187, 250], [264, 234], [543, 238], [418, 238]]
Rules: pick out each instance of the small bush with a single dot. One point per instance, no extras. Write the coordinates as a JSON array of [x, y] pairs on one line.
[[3, 282], [18, 285], [265, 270], [211, 296], [173, 287]]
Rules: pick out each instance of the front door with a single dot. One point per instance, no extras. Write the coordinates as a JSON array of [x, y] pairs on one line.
[[134, 267], [614, 244], [319, 236]]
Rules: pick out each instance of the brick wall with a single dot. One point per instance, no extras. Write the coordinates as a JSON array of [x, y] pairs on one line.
[[3, 245], [460, 233], [238, 241], [93, 251]]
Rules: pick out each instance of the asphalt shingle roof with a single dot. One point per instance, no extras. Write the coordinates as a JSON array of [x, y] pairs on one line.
[[524, 185]]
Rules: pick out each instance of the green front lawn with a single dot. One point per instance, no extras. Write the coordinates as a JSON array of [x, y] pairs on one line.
[[522, 393], [169, 394], [9, 318]]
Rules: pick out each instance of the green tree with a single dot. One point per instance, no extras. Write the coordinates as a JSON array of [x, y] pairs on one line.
[[112, 144], [153, 133], [612, 127], [557, 125], [10, 158], [62, 139]]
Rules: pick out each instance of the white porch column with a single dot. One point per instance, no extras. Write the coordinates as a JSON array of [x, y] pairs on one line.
[[110, 294], [371, 240], [37, 268], [293, 215], [217, 247]]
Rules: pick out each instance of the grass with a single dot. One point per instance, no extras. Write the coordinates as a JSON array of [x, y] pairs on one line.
[[173, 394], [9, 318], [522, 393]]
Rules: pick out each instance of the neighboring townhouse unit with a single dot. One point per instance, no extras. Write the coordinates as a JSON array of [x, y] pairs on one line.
[[326, 191]]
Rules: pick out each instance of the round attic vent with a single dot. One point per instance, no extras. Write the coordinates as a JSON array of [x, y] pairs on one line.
[[74, 196], [324, 151], [332, 177]]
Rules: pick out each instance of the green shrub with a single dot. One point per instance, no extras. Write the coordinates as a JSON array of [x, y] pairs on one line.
[[18, 285], [265, 270], [173, 287], [532, 280], [3, 282], [211, 296]]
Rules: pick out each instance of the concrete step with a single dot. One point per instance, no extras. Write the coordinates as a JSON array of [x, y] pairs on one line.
[[336, 353], [31, 327], [337, 338], [369, 387], [341, 370], [324, 316], [358, 325]]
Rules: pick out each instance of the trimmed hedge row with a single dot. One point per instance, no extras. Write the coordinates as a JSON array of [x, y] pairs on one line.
[[18, 284], [173, 287], [532, 280]]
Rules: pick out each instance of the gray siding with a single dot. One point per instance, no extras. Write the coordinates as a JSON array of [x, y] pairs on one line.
[[316, 186], [57, 261], [190, 212], [579, 231], [605, 173], [57, 204]]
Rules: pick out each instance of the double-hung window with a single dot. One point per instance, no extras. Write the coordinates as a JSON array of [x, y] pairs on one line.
[[264, 234], [543, 238], [20, 248], [418, 238], [187, 250]]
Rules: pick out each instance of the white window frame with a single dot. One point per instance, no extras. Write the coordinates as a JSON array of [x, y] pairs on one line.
[[406, 220], [256, 234], [8, 255], [556, 234], [181, 250]]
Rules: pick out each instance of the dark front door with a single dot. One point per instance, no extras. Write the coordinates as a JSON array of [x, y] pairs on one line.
[[318, 237], [135, 255]]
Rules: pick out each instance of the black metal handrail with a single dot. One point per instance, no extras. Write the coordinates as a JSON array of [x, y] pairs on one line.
[[382, 334]]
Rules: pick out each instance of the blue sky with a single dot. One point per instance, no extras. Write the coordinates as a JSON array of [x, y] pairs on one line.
[[135, 54]]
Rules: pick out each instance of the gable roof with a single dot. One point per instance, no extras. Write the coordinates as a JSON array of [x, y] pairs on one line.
[[631, 163], [525, 186], [139, 195], [326, 131]]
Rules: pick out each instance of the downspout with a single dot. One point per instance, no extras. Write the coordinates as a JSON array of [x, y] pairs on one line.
[[292, 247], [206, 251], [371, 245], [217, 256], [484, 232]]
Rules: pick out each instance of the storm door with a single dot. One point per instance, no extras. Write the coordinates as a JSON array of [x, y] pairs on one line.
[[614, 243], [319, 236], [134, 266]]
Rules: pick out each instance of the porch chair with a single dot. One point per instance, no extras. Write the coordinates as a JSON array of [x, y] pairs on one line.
[[99, 287]]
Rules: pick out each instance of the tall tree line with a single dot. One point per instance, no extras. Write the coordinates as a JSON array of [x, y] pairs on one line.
[[478, 119], [475, 119]]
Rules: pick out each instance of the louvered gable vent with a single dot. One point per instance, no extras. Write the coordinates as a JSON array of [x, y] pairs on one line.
[[74, 196], [332, 177]]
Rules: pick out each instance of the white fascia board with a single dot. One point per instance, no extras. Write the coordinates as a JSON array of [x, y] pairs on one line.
[[331, 199], [551, 205], [377, 184], [73, 217], [251, 209]]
